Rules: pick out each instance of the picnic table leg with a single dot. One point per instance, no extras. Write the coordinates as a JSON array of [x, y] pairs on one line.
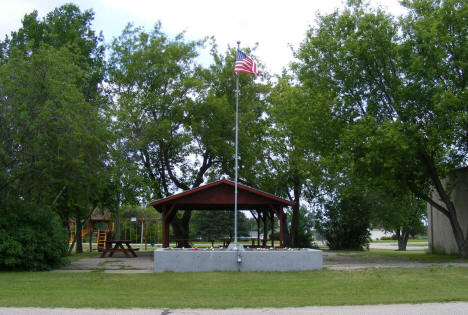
[[130, 248], [104, 252], [124, 250], [115, 247]]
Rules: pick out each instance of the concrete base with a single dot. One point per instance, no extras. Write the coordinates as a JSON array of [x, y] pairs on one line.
[[257, 260]]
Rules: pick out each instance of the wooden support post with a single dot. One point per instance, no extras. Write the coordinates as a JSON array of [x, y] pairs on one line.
[[90, 236], [257, 219], [264, 243], [282, 222], [166, 216], [272, 228], [165, 228], [281, 216], [146, 232], [258, 228]]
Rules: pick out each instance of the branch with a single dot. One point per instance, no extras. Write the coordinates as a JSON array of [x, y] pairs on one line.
[[432, 203], [207, 162], [178, 183], [144, 156], [58, 195], [162, 174]]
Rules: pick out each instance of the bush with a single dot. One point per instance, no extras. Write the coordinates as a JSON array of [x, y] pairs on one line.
[[31, 239], [344, 223], [304, 237]]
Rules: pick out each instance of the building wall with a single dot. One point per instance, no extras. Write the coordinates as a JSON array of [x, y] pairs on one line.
[[440, 233]]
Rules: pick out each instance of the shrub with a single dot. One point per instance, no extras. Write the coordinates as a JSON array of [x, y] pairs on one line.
[[31, 239], [304, 237], [344, 223]]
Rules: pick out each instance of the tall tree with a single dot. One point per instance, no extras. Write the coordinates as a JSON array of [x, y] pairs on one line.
[[177, 117], [292, 167], [153, 77], [400, 89], [61, 61]]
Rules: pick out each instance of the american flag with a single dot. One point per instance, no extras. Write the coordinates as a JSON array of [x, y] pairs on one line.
[[245, 64]]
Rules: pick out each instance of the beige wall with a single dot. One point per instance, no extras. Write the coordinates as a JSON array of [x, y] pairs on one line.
[[439, 229]]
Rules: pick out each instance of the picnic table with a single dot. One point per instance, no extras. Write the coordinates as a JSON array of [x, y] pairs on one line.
[[120, 246]]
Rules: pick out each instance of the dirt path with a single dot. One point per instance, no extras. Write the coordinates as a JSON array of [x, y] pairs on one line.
[[117, 264]]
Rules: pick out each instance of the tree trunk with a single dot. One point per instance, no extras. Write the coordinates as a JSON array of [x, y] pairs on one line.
[[403, 235], [463, 252], [117, 221], [286, 232], [449, 211], [295, 215], [180, 228], [264, 243], [79, 239], [72, 245]]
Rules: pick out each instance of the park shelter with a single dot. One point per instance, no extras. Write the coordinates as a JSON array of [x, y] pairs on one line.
[[219, 195]]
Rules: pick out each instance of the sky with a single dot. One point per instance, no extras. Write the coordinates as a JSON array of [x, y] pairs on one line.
[[275, 26]]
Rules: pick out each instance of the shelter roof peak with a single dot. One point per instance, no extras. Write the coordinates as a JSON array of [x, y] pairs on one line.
[[242, 188]]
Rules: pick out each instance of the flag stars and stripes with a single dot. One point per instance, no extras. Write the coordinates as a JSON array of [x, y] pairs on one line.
[[245, 64]]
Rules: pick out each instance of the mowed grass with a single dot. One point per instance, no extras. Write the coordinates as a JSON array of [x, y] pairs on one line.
[[234, 289]]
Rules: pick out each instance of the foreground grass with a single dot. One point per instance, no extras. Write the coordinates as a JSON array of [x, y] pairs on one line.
[[233, 289]]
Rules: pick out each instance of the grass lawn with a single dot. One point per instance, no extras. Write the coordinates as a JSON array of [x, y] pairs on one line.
[[233, 289]]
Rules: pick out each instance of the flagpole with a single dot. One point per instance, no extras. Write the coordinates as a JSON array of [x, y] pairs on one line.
[[236, 156]]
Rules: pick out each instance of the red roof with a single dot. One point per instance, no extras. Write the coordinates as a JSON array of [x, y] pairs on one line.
[[219, 195]]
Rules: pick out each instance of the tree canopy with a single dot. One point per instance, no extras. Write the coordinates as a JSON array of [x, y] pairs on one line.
[[368, 121], [399, 89]]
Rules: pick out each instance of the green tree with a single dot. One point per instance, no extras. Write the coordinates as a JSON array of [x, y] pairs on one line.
[[55, 136], [175, 115], [291, 168], [67, 27], [399, 89], [153, 77], [50, 142], [399, 212]]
